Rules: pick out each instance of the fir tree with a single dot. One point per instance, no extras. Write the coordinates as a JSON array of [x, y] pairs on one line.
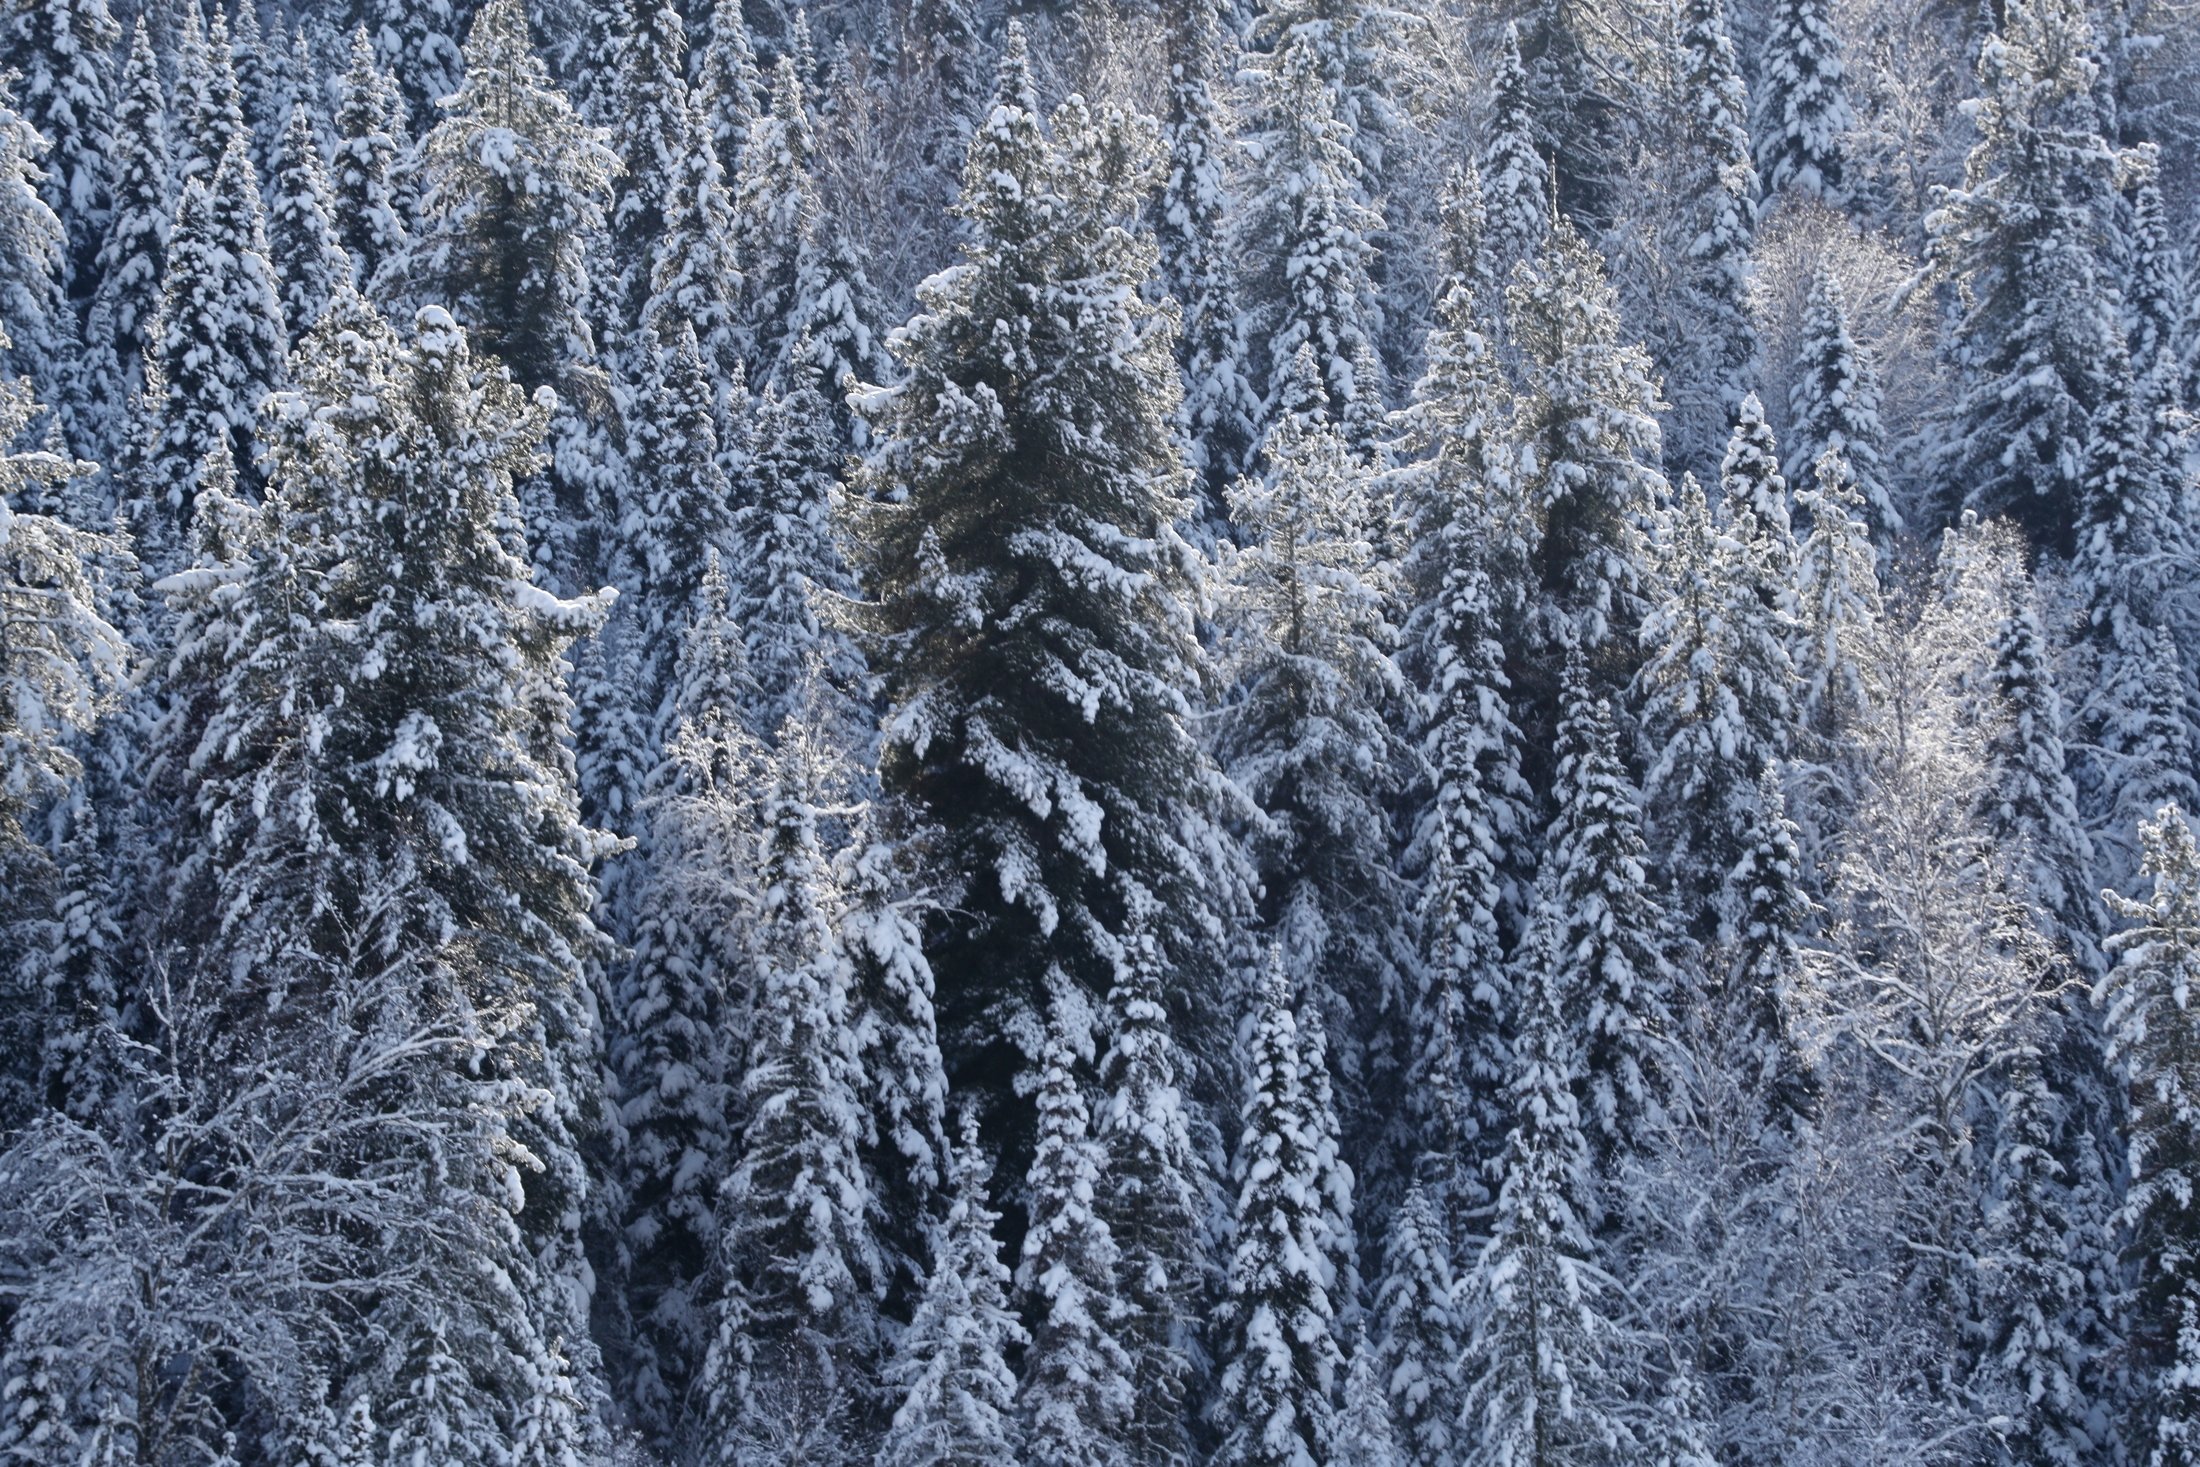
[[728, 86], [1803, 112], [655, 128], [303, 244], [2154, 291], [951, 1366], [62, 52], [797, 1326], [1310, 734], [1307, 234], [1190, 226], [683, 506], [1366, 1434], [209, 114], [1515, 180], [2151, 1043], [416, 46], [1834, 405], [1038, 714], [363, 174], [1838, 606], [1076, 1392], [1585, 99], [2021, 238], [41, 321], [1275, 1401], [133, 254], [1422, 1343], [775, 210]]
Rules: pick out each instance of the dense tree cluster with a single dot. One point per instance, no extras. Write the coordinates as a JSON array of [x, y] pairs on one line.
[[1293, 733]]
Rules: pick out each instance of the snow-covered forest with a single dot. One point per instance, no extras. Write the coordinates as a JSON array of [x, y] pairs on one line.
[[1099, 733]]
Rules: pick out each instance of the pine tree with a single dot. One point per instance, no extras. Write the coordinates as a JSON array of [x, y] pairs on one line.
[[363, 174], [1714, 350], [1076, 1391], [1803, 109], [2021, 238], [1344, 38], [1586, 415], [303, 244], [516, 184], [957, 1405], [1275, 1399], [1422, 1343], [1037, 706], [133, 254], [1155, 1204], [62, 52], [1307, 239], [1516, 182], [1310, 733], [2151, 1043], [1534, 1367], [1190, 227], [1596, 929], [1834, 406], [797, 1326]]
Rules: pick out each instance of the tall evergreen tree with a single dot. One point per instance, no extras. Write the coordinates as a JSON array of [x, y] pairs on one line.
[[1803, 114], [209, 115], [1516, 182], [1038, 707], [2022, 238], [957, 1407], [2151, 1043], [776, 206], [1838, 606], [1190, 227], [62, 52], [1586, 98], [363, 179], [1076, 1390], [303, 243], [727, 85], [1422, 1344], [416, 45], [655, 128], [133, 254], [1275, 1398], [1834, 408]]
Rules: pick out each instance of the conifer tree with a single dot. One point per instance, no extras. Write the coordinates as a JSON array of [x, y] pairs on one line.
[[1076, 1391], [2154, 293], [1534, 1368], [683, 511], [1803, 110], [1714, 349], [1834, 406], [2021, 237], [1584, 97], [363, 173], [797, 1327], [1763, 947], [1838, 606], [1155, 1203], [728, 86], [415, 45], [951, 1366], [1031, 445], [303, 243], [133, 253], [1596, 928], [2151, 1043], [695, 278], [1306, 238], [41, 320], [1331, 1180], [834, 338], [655, 129], [260, 87], [62, 52], [775, 211], [1190, 226], [673, 1003], [1516, 182], [1345, 40], [1586, 415], [1311, 732], [516, 184], [1280, 1362], [1422, 1344], [209, 115]]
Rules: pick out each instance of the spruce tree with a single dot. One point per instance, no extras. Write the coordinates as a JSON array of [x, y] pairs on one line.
[[2154, 293], [951, 1365], [1838, 606], [1280, 1362], [363, 172], [654, 124], [1310, 733], [797, 1327], [1834, 406], [1516, 182], [1038, 713], [1803, 113], [1156, 1203], [1422, 1343], [1713, 352], [1584, 95], [775, 210], [209, 115], [1190, 227], [62, 52], [1307, 240], [682, 511], [1596, 930], [415, 45], [42, 332], [2022, 239], [2151, 1043], [303, 243], [133, 253], [1076, 1391], [728, 87]]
